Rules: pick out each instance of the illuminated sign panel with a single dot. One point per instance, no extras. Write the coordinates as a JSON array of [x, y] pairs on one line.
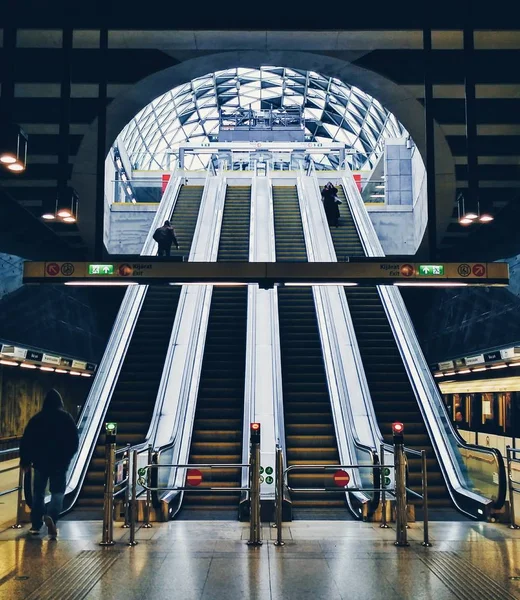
[[431, 270], [101, 269]]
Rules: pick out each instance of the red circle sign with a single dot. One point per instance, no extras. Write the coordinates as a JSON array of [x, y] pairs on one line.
[[479, 270], [53, 269], [406, 270], [194, 477], [341, 478]]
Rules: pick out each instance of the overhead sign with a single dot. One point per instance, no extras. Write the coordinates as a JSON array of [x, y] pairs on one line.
[[13, 351], [491, 356], [368, 272], [474, 360], [51, 359], [446, 365]]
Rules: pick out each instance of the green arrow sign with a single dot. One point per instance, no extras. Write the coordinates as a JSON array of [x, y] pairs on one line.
[[386, 471], [431, 270], [269, 470], [387, 481], [261, 470], [269, 480]]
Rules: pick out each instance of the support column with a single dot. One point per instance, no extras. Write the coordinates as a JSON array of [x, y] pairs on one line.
[[101, 144], [471, 199], [430, 143]]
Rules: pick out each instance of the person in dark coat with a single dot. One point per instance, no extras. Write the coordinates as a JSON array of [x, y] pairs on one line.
[[330, 203], [165, 237], [49, 442]]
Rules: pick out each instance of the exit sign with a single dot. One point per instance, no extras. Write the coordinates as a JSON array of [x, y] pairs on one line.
[[431, 270], [101, 269]]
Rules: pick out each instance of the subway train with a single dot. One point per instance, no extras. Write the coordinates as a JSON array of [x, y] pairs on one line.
[[485, 411]]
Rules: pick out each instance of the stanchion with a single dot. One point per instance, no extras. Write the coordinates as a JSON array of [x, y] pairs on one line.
[[19, 502], [279, 496], [426, 539], [148, 501], [126, 524], [509, 458], [108, 501], [254, 527], [133, 500], [400, 484], [384, 524]]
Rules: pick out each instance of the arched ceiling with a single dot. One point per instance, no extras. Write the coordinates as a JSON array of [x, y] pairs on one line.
[[333, 111]]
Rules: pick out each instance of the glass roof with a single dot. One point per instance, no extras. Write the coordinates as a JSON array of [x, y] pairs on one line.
[[333, 110]]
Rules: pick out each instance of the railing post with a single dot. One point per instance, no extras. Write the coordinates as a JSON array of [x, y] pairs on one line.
[[426, 540], [107, 538], [384, 524], [19, 501], [126, 524], [147, 523], [400, 485], [279, 496], [254, 526], [509, 456], [133, 501]]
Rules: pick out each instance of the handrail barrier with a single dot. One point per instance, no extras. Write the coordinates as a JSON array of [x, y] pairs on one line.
[[512, 457], [18, 488], [399, 490]]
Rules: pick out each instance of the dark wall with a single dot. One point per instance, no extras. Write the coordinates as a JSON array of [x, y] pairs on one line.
[[463, 321], [61, 319], [22, 392]]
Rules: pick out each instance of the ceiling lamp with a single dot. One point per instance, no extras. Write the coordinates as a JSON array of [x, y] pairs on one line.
[[13, 147], [468, 217], [65, 208], [486, 218]]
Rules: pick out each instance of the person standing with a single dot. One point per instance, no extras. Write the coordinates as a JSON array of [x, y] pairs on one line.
[[49, 442], [330, 203], [165, 236]]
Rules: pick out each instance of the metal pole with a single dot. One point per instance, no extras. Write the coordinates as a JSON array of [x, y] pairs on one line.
[[133, 506], [147, 523], [126, 473], [510, 487], [254, 527], [426, 541], [279, 496], [400, 493], [384, 524], [19, 502], [108, 502]]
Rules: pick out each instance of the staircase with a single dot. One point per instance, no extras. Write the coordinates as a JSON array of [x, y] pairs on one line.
[[390, 388], [218, 425], [133, 399]]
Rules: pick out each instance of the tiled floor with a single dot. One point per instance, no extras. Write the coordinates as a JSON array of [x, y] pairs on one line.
[[211, 560]]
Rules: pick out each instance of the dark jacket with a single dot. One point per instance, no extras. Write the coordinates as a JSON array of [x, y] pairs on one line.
[[165, 236], [50, 439]]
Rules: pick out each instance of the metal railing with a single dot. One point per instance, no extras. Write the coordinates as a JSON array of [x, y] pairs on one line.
[[19, 488], [511, 458], [398, 490]]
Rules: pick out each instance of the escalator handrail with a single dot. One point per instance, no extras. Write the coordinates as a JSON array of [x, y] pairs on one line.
[[98, 399], [343, 418], [421, 379], [182, 428]]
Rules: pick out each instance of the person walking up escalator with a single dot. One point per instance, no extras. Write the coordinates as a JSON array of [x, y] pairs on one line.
[[165, 237], [329, 196]]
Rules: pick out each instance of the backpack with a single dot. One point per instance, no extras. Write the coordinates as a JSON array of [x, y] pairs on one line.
[[159, 235]]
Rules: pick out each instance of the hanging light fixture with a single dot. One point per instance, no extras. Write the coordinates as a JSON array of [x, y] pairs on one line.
[[66, 207], [470, 216], [13, 147]]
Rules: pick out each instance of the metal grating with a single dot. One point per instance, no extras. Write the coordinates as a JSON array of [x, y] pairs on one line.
[[75, 579], [465, 580]]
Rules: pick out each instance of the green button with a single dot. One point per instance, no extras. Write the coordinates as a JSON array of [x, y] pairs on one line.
[[269, 480], [269, 470], [261, 470], [142, 471], [386, 471], [387, 480]]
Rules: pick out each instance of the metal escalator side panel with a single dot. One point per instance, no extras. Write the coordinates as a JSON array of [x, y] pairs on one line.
[[96, 405]]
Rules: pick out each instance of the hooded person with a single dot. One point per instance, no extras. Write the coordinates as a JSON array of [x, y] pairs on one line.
[[165, 237], [330, 203], [49, 442]]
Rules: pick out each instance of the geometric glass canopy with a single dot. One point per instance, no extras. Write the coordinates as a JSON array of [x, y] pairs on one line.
[[333, 111]]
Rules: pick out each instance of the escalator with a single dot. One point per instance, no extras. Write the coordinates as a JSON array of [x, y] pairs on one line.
[[392, 395], [134, 396], [218, 424], [309, 425]]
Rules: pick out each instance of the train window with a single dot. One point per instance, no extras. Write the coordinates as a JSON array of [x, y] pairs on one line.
[[488, 409]]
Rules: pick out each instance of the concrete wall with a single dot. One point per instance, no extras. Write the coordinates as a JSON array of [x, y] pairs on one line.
[[11, 272], [128, 226]]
